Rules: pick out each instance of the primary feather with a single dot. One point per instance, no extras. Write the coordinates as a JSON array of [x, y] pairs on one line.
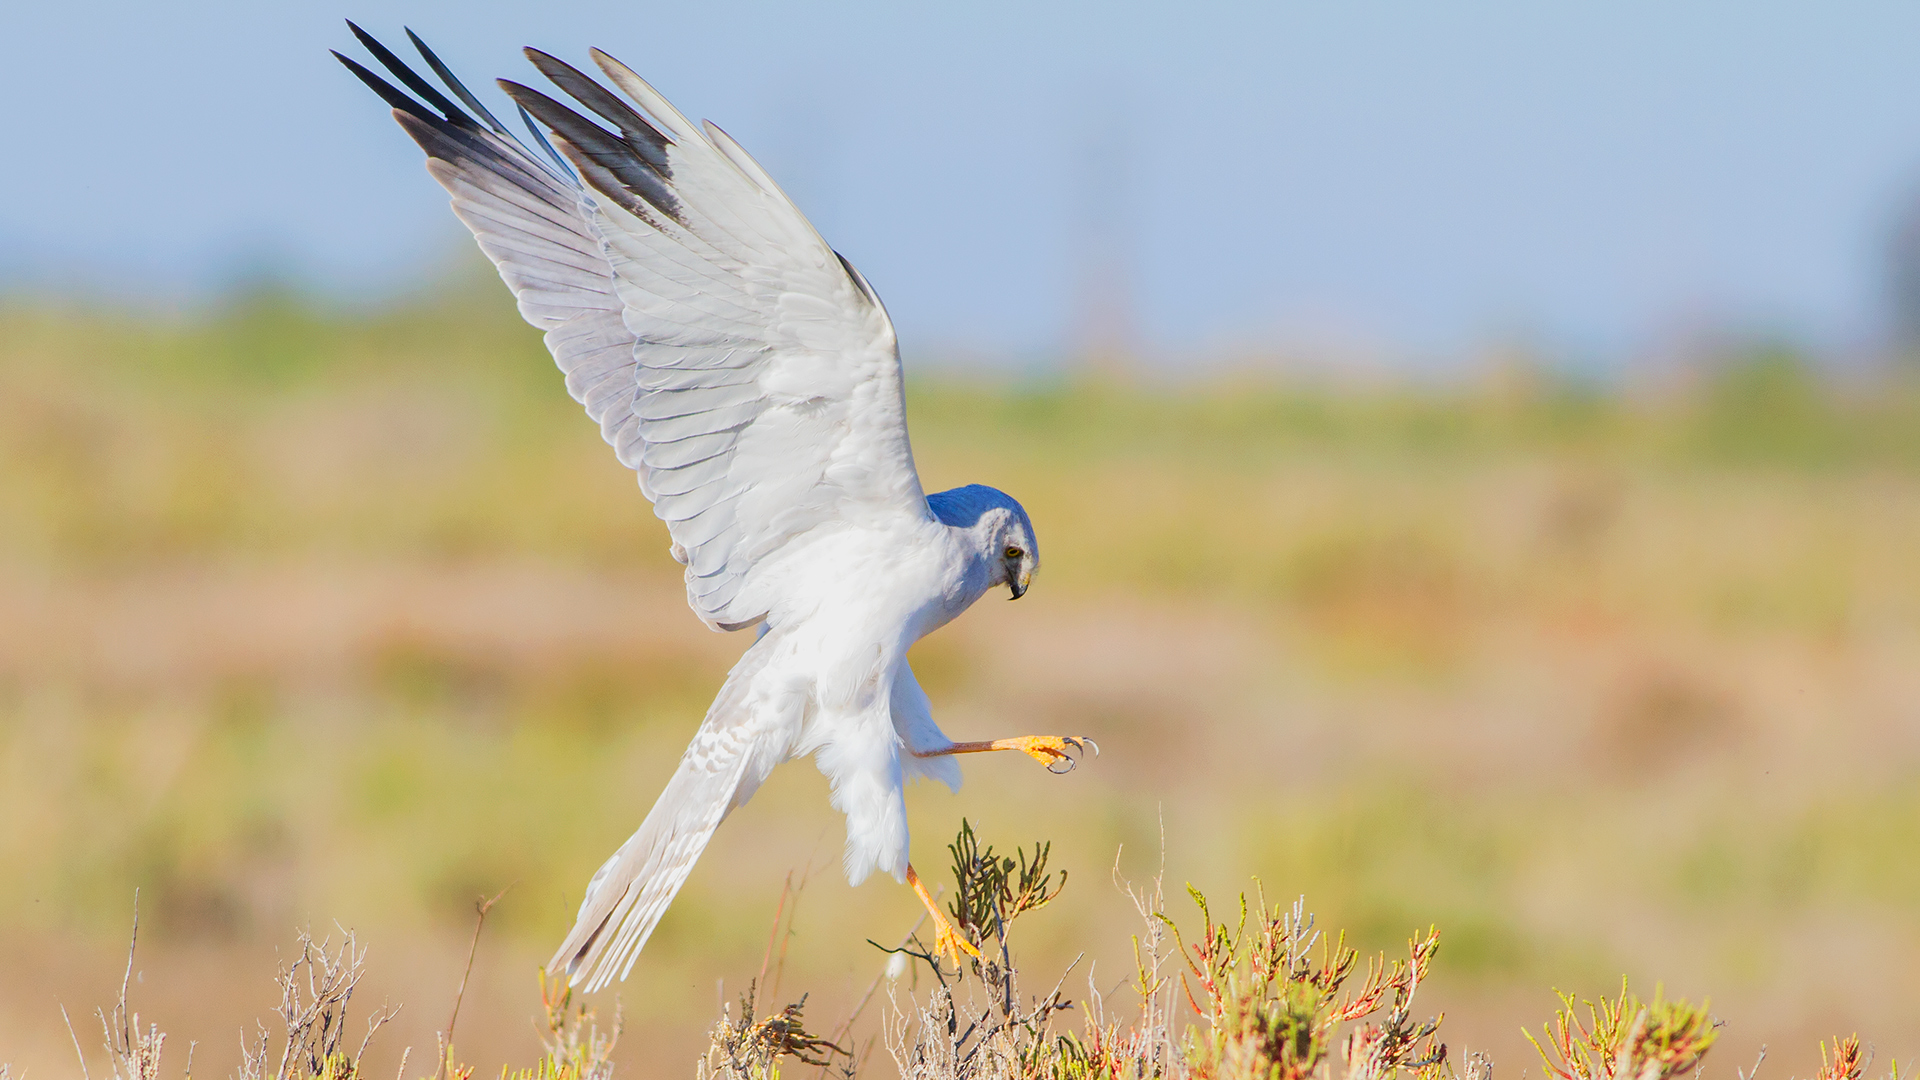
[[750, 376]]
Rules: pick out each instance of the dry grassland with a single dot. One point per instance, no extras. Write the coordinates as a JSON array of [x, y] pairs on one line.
[[311, 619]]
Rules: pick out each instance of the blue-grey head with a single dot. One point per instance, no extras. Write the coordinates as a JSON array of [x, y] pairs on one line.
[[998, 527]]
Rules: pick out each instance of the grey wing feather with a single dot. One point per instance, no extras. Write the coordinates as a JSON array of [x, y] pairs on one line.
[[532, 222], [734, 361]]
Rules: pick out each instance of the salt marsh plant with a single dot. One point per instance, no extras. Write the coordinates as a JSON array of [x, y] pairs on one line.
[[1261, 994]]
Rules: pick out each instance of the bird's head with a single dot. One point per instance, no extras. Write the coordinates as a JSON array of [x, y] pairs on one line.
[[999, 528]]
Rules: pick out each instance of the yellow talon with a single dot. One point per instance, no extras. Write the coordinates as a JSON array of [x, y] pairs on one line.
[[1051, 750], [947, 942]]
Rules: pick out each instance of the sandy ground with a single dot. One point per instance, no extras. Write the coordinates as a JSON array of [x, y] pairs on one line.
[[1570, 799]]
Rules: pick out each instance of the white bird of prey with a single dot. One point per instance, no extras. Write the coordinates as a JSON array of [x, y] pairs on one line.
[[751, 377]]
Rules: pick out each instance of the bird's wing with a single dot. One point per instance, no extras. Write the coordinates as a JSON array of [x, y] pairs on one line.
[[744, 369]]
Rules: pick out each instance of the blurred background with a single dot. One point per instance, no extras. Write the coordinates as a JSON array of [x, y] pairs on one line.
[[1477, 451]]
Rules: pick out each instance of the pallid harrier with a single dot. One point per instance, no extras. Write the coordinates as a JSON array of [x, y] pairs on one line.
[[751, 377]]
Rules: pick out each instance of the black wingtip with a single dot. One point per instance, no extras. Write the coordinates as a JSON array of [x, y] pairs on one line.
[[411, 79], [365, 38], [548, 110], [387, 91], [451, 133], [454, 84], [641, 135], [540, 139]]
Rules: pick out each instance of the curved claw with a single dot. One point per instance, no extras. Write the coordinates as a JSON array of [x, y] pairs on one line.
[[1071, 762], [1059, 753]]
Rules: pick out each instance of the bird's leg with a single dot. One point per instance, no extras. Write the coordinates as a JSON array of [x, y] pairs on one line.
[[1048, 750], [947, 941]]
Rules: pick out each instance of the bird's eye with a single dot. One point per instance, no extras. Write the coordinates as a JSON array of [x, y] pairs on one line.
[[1015, 553]]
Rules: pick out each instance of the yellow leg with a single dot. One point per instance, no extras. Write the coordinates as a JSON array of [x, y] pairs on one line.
[[1048, 750], [947, 941]]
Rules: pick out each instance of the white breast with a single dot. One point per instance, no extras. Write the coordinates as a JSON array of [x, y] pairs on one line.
[[854, 599]]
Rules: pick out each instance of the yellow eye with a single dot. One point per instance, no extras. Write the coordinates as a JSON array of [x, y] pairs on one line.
[[1015, 553]]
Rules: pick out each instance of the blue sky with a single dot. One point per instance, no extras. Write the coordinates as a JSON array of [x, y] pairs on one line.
[[1416, 178]]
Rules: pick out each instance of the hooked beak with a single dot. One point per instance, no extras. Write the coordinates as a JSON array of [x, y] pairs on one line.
[[1017, 583]]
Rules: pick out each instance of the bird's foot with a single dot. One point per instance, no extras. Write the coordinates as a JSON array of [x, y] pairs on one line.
[[1053, 751], [947, 942]]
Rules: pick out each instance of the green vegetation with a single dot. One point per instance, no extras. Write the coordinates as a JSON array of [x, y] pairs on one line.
[[310, 615], [1265, 997]]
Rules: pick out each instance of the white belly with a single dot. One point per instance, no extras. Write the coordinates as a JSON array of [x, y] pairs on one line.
[[854, 601]]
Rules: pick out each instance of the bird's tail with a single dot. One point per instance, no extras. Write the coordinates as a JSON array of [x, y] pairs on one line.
[[731, 754]]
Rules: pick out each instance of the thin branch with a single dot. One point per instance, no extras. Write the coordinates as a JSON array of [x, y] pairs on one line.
[[76, 1043], [481, 907]]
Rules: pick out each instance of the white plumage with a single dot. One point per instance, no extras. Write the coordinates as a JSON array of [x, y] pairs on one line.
[[750, 376]]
